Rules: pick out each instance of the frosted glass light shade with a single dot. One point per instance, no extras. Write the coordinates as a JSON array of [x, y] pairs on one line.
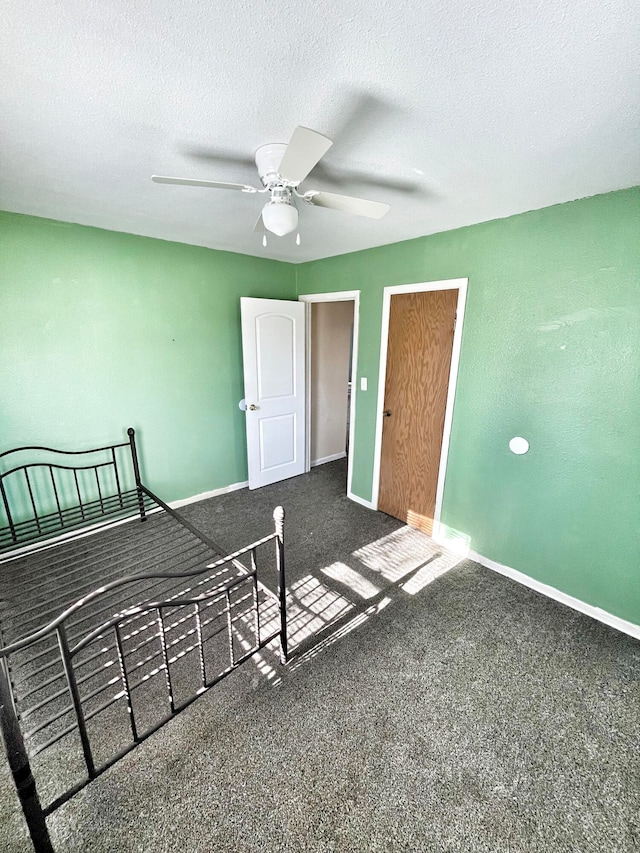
[[280, 218]]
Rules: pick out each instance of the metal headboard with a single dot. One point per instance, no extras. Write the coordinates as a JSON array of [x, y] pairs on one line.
[[44, 498]]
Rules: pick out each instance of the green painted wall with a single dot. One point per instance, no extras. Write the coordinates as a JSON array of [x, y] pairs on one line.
[[102, 330], [550, 351]]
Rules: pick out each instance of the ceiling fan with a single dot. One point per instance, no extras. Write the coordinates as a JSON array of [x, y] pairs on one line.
[[282, 168]]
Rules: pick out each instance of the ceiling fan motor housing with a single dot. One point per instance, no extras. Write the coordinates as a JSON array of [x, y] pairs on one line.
[[268, 159], [279, 214]]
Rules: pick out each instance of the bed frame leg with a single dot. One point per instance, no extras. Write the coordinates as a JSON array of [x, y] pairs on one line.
[[20, 767], [136, 471], [278, 517]]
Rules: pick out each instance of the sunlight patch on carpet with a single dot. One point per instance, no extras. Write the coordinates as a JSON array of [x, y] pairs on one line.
[[396, 555]]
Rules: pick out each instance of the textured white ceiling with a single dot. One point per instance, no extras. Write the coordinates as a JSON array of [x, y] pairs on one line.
[[452, 112]]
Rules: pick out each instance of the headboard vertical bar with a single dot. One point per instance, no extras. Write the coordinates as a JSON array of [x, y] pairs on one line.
[[55, 492], [8, 511], [117, 476], [33, 503], [80, 504], [99, 489], [136, 470]]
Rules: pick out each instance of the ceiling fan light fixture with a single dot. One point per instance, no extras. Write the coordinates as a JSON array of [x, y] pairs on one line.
[[280, 217]]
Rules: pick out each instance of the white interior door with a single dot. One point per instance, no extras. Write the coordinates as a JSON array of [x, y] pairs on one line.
[[273, 351]]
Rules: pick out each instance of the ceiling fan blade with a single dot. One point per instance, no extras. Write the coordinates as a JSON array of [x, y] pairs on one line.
[[304, 150], [348, 204], [188, 182]]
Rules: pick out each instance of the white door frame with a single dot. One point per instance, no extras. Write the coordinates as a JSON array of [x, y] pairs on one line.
[[459, 284], [339, 296]]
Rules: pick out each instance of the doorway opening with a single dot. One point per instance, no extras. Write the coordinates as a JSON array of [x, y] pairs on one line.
[[419, 355], [331, 365]]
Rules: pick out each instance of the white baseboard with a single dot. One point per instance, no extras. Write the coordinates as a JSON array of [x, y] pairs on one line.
[[616, 622], [331, 458], [212, 494], [630, 628], [234, 486], [359, 500]]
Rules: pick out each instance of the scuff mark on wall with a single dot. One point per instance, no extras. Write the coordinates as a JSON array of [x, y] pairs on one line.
[[584, 316]]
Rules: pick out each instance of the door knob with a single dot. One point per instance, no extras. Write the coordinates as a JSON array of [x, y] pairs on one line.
[[387, 413], [253, 407]]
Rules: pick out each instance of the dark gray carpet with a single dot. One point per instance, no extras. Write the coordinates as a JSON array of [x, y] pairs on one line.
[[432, 705]]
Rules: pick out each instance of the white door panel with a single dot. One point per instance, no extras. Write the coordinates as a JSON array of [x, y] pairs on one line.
[[275, 337], [273, 344]]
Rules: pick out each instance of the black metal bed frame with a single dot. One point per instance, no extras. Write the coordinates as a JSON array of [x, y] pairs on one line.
[[210, 607]]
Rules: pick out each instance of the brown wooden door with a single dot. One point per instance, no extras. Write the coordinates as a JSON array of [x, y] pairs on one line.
[[419, 350]]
